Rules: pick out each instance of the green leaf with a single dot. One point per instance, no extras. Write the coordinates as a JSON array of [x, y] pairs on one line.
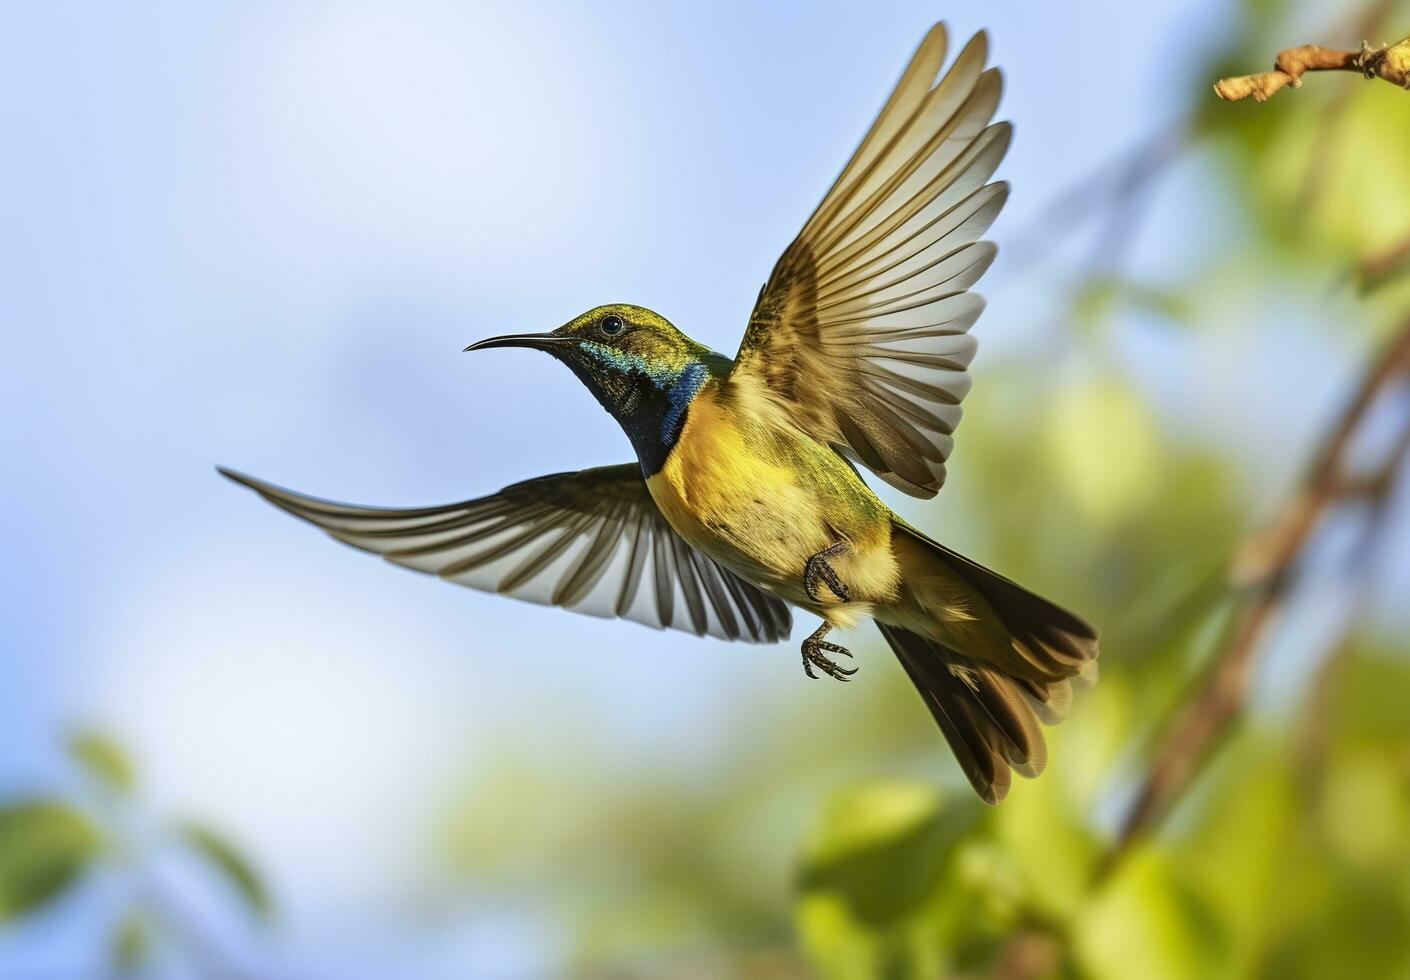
[[1234, 848], [1040, 827], [230, 862], [872, 881], [881, 846], [103, 760], [130, 942], [44, 845], [1148, 922], [1370, 702]]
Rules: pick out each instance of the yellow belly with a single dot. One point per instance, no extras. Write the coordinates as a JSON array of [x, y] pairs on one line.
[[763, 499]]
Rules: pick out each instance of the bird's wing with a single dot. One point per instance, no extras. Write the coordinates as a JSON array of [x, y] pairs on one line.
[[860, 335], [592, 541]]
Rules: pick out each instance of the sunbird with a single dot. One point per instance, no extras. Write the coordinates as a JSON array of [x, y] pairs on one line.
[[745, 498]]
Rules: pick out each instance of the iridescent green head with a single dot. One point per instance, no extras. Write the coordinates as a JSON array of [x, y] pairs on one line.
[[642, 369]]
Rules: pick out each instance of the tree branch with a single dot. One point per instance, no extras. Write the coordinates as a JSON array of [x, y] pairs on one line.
[[1325, 688], [1391, 63], [1264, 571]]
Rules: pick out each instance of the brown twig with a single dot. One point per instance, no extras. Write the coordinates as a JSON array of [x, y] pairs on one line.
[[1388, 62], [1325, 150]]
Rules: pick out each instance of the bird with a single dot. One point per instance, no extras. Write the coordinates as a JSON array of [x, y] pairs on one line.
[[746, 499]]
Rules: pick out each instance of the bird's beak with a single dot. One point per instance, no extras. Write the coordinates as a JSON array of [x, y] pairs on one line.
[[538, 341]]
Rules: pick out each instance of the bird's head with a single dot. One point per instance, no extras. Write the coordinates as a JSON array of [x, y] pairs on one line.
[[642, 369]]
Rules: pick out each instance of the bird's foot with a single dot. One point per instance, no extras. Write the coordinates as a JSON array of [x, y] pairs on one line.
[[817, 569], [815, 654]]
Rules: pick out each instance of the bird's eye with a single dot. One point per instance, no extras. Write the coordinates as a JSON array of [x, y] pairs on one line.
[[611, 324]]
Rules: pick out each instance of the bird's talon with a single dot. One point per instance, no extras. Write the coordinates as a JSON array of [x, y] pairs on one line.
[[817, 568], [815, 654]]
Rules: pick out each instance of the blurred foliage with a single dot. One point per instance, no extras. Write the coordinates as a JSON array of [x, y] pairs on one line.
[[1290, 855], [44, 845], [872, 880], [131, 942], [233, 866], [49, 846], [104, 760]]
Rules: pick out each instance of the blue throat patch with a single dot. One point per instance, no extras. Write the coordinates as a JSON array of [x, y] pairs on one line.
[[680, 395], [649, 401]]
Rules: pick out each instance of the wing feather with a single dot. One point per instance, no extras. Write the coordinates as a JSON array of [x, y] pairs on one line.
[[582, 541], [861, 333]]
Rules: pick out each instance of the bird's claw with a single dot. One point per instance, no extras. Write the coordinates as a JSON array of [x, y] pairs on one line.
[[815, 654], [817, 568]]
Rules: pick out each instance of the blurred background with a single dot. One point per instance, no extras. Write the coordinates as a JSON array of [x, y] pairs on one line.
[[259, 234]]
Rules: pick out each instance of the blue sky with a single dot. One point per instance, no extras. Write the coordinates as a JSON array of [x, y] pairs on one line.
[[260, 234]]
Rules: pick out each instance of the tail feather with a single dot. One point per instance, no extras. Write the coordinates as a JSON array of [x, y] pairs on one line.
[[1054, 642], [977, 746], [1033, 638], [1050, 701], [1003, 702], [987, 688]]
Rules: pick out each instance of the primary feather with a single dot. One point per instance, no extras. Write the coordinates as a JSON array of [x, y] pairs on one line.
[[592, 541], [860, 335]]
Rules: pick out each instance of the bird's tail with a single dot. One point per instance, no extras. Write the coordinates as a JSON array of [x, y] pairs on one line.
[[991, 659]]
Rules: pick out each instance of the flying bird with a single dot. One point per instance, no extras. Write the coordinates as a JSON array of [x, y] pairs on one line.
[[745, 498]]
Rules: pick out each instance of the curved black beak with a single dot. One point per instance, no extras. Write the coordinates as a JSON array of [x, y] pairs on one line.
[[538, 341]]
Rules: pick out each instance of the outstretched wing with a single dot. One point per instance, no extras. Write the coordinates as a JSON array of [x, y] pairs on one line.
[[860, 333], [592, 541]]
